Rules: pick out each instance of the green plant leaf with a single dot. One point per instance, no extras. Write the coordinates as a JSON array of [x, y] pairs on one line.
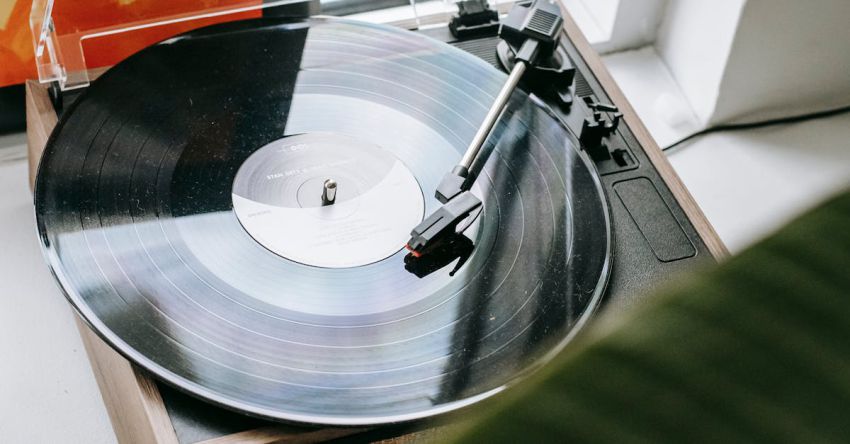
[[756, 349]]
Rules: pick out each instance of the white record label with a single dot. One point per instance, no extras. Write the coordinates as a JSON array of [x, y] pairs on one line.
[[277, 199]]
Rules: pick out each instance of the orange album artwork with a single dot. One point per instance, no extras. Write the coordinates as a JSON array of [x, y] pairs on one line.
[[74, 18]]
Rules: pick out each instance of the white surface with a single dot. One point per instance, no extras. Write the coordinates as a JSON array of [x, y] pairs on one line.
[[594, 30], [634, 25], [47, 390], [597, 16], [694, 41], [787, 57], [654, 94], [754, 60], [749, 183]]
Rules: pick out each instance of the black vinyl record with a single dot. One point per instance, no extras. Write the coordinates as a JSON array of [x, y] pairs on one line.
[[179, 206]]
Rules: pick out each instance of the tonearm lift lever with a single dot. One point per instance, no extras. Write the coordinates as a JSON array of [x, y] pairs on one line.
[[532, 29]]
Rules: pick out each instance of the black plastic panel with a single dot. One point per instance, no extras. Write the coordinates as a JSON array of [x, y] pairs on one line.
[[12, 109], [654, 220]]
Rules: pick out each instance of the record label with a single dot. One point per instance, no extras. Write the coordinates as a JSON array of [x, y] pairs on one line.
[[277, 196]]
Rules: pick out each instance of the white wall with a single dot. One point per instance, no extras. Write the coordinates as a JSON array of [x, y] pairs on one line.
[[634, 25], [752, 60], [694, 41], [788, 57]]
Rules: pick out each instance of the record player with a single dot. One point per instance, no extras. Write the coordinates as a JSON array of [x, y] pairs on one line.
[[228, 210]]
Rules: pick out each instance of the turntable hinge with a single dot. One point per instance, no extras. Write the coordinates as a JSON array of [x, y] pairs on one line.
[[474, 19]]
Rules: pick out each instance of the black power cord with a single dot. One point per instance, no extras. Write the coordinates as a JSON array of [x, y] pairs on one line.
[[760, 124]]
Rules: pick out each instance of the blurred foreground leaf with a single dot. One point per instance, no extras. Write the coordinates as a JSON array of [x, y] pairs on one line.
[[757, 349]]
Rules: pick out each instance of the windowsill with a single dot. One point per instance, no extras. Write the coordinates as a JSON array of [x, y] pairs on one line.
[[595, 18], [654, 94]]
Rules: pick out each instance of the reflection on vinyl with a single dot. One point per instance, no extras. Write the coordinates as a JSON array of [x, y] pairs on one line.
[[180, 205]]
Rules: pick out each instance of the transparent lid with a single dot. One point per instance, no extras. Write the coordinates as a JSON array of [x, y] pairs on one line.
[[73, 39]]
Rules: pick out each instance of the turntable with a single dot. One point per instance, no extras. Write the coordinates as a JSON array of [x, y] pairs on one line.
[[228, 211]]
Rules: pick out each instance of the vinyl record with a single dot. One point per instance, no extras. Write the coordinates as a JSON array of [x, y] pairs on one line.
[[179, 206]]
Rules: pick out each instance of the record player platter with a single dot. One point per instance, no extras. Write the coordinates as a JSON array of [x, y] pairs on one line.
[[228, 209]]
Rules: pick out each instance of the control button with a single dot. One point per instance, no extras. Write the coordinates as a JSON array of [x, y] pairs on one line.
[[621, 157]]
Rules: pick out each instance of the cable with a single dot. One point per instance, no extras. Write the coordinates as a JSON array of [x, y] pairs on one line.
[[760, 124]]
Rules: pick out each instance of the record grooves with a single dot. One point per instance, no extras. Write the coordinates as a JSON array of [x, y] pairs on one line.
[[178, 205]]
